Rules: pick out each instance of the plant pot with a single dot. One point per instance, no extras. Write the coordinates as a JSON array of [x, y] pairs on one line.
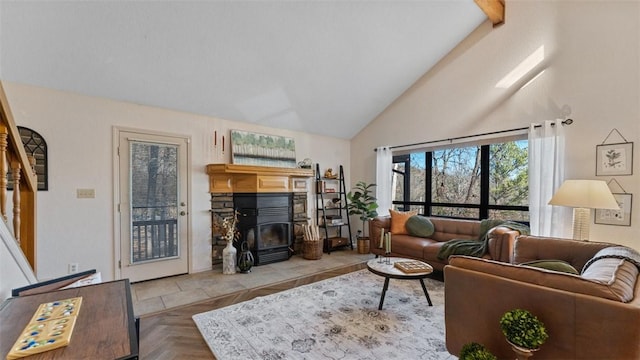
[[521, 353], [363, 245]]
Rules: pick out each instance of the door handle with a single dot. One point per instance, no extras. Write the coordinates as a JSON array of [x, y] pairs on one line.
[[183, 213]]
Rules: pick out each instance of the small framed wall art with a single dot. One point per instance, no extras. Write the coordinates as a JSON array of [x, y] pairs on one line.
[[621, 217], [614, 159]]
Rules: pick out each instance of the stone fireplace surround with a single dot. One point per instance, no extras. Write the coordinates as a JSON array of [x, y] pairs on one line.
[[229, 182]]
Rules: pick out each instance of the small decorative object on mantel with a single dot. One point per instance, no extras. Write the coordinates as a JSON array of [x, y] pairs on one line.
[[620, 217], [614, 158], [305, 164], [523, 331]]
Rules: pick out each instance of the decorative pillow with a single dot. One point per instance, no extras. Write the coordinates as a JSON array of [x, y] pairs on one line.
[[399, 219], [555, 265], [419, 226]]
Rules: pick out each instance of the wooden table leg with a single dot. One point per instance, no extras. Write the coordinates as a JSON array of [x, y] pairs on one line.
[[384, 291], [426, 293]]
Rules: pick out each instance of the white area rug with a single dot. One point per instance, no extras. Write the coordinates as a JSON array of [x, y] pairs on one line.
[[336, 318]]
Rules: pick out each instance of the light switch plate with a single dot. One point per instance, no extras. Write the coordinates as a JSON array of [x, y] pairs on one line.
[[85, 193]]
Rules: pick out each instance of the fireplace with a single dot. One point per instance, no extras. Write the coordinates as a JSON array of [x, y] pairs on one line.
[[272, 203], [265, 222]]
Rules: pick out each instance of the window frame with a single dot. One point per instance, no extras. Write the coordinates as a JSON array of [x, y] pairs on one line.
[[484, 208]]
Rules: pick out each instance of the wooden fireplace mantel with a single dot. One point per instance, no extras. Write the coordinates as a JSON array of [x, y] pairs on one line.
[[234, 178]]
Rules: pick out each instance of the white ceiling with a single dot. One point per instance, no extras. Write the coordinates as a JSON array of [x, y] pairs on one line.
[[324, 67]]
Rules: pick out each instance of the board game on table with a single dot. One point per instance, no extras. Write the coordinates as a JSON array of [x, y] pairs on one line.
[[50, 327]]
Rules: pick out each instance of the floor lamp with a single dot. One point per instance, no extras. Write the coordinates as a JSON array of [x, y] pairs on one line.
[[582, 196]]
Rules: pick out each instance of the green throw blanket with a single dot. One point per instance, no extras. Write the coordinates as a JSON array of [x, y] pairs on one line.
[[478, 247]]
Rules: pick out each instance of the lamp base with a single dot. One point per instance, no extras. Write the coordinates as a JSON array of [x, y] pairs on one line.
[[581, 220]]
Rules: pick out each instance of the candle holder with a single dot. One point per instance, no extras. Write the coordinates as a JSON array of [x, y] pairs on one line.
[[387, 258]]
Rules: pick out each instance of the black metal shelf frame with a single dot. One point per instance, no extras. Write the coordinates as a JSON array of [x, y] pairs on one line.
[[335, 235]]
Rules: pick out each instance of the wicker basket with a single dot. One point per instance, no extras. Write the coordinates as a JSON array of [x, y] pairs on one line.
[[312, 249], [312, 244]]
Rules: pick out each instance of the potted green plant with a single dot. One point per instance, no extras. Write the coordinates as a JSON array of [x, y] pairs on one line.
[[523, 331], [361, 202], [475, 351]]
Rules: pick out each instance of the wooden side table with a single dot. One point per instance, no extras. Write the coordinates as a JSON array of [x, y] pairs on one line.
[[105, 328]]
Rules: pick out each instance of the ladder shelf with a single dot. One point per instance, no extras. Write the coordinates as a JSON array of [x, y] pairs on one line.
[[332, 215]]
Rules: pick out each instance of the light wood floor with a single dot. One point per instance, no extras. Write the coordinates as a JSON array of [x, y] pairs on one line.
[[172, 334]]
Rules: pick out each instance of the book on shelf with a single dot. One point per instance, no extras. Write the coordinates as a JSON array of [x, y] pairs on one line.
[[412, 266], [334, 220]]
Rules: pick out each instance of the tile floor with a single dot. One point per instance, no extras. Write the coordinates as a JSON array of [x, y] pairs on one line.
[[162, 294]]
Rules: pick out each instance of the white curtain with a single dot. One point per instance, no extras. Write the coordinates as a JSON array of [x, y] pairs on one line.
[[384, 163], [546, 174]]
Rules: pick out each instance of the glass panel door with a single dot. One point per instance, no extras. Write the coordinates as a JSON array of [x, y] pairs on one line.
[[154, 201], [153, 208]]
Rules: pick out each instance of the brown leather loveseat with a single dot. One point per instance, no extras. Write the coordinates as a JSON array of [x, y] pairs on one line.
[[594, 314], [500, 243]]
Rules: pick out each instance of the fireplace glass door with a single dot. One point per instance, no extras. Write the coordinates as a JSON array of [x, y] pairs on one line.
[[274, 235]]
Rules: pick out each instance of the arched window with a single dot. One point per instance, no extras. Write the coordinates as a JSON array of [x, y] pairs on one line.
[[36, 146]]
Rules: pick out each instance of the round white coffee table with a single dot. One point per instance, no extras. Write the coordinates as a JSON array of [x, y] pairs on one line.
[[379, 266]]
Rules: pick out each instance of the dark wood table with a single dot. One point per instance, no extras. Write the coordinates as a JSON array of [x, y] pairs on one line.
[[105, 327]]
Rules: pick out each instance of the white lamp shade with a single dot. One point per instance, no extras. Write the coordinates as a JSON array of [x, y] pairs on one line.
[[590, 194]]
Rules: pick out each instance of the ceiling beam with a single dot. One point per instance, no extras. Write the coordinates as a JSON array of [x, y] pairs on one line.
[[494, 9]]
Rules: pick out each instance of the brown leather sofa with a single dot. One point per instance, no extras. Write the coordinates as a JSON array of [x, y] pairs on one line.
[[500, 243], [594, 315]]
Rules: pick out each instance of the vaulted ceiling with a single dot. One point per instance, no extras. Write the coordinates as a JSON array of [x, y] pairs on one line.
[[324, 67]]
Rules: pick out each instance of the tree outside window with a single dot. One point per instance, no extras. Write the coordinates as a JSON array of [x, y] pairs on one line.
[[473, 182]]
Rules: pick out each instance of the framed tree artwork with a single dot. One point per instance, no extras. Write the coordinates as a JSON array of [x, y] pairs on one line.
[[614, 159], [621, 217], [261, 149]]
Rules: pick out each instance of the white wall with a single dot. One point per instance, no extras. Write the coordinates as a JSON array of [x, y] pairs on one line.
[[592, 65], [14, 267], [78, 131]]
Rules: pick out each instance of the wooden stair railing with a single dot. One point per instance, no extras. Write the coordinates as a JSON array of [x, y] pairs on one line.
[[14, 159]]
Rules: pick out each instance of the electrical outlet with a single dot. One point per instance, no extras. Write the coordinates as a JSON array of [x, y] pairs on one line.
[[73, 268], [85, 193]]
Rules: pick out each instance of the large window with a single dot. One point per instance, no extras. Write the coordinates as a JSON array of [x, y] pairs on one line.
[[471, 182]]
